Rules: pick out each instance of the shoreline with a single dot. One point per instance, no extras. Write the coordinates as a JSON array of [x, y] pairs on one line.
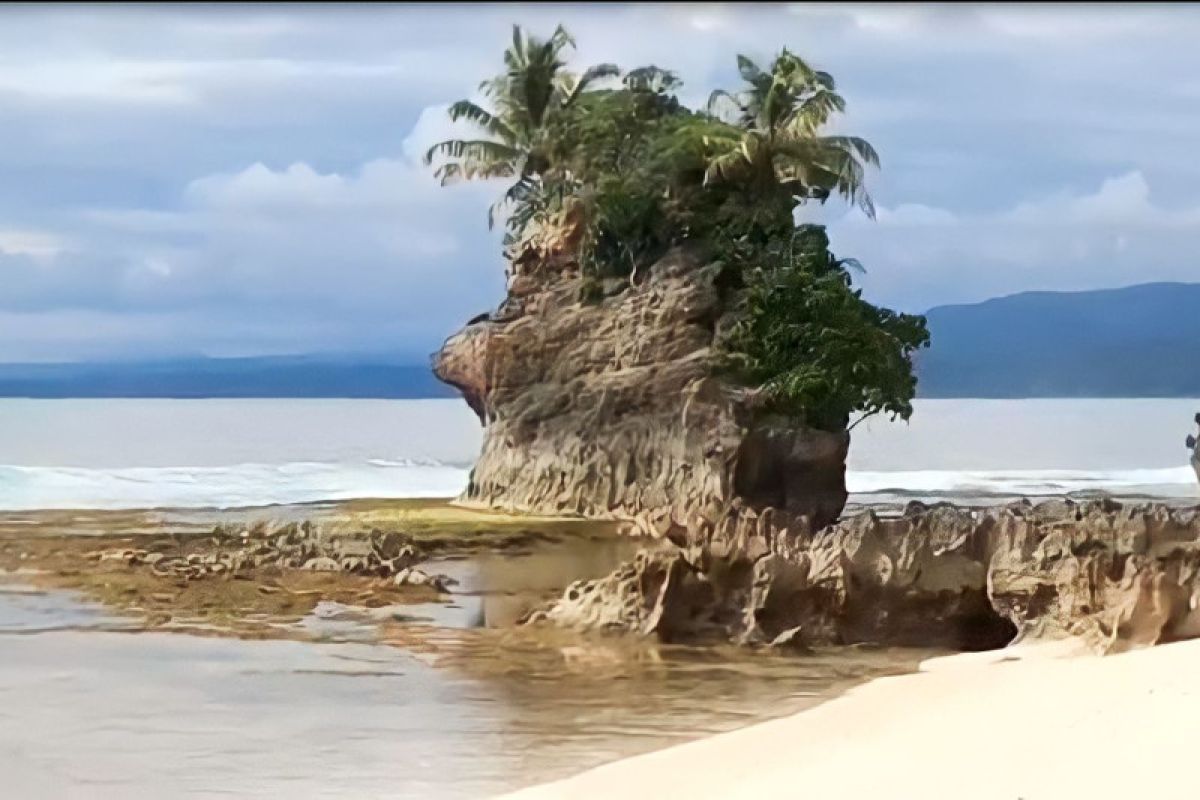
[[1016, 715], [1027, 722]]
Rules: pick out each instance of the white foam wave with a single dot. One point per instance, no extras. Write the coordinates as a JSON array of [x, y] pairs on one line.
[[31, 488], [1167, 482]]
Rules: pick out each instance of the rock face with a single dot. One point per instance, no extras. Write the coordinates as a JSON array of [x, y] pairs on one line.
[[1117, 576], [609, 406]]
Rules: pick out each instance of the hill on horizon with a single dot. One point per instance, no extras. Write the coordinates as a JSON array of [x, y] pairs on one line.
[[1135, 341], [249, 377]]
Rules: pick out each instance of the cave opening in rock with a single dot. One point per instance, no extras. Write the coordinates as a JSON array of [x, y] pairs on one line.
[[983, 630]]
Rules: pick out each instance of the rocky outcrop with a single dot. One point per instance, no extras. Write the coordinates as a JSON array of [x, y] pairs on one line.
[[601, 399], [1118, 576]]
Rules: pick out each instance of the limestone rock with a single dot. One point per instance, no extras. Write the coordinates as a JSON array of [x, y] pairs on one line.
[[1119, 576], [657, 594], [615, 409], [291, 545]]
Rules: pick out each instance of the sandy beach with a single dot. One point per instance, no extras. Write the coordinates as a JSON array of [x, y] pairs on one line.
[[1028, 723]]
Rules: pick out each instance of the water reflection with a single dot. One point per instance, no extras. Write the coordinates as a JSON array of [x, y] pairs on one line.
[[496, 589], [400, 702]]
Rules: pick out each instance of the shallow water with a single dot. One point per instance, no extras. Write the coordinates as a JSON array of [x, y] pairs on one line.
[[423, 701]]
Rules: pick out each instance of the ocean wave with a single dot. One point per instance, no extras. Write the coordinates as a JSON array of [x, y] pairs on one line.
[[1166, 482], [246, 485], [241, 485]]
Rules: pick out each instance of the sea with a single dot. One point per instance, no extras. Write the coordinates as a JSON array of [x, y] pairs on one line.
[[134, 453], [433, 700]]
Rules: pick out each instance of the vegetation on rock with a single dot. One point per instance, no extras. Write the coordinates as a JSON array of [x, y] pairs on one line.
[[614, 169], [813, 345]]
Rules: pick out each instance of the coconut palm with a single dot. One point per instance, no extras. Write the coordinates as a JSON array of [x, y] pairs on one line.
[[524, 99], [777, 139]]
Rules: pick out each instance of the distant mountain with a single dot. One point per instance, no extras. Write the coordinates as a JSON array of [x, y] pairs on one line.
[[1139, 341], [268, 376]]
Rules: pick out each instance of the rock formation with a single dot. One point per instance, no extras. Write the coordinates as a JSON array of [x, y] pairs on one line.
[[1119, 576], [602, 399]]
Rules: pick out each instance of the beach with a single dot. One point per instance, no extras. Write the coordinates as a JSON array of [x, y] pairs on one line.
[[1025, 723]]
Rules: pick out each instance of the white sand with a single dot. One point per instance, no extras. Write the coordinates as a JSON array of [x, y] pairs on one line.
[[1040, 723]]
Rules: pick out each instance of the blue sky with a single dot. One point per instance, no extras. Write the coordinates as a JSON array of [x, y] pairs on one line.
[[246, 180]]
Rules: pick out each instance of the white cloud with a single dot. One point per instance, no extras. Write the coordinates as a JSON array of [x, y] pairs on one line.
[[1124, 199], [1116, 235], [381, 248], [36, 244], [252, 178]]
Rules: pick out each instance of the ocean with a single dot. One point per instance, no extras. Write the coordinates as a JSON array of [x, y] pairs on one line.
[[114, 454]]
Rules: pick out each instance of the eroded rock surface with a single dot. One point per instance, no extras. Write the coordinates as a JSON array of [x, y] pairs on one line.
[[610, 406], [233, 550], [1119, 576]]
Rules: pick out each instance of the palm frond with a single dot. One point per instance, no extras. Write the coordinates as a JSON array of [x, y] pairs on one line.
[[517, 193], [750, 72], [561, 39], [592, 74], [725, 166], [474, 149], [815, 110], [721, 97], [852, 264], [861, 148], [465, 109], [448, 173]]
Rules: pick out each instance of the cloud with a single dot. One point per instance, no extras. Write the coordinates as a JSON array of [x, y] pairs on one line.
[[378, 249], [249, 179], [918, 256], [32, 243]]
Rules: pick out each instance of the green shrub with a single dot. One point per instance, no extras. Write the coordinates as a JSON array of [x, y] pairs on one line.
[[813, 345]]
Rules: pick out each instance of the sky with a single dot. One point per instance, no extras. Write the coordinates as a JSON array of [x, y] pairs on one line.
[[243, 180]]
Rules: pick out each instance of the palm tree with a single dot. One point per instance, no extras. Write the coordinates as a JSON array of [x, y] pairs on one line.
[[525, 98], [777, 140]]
